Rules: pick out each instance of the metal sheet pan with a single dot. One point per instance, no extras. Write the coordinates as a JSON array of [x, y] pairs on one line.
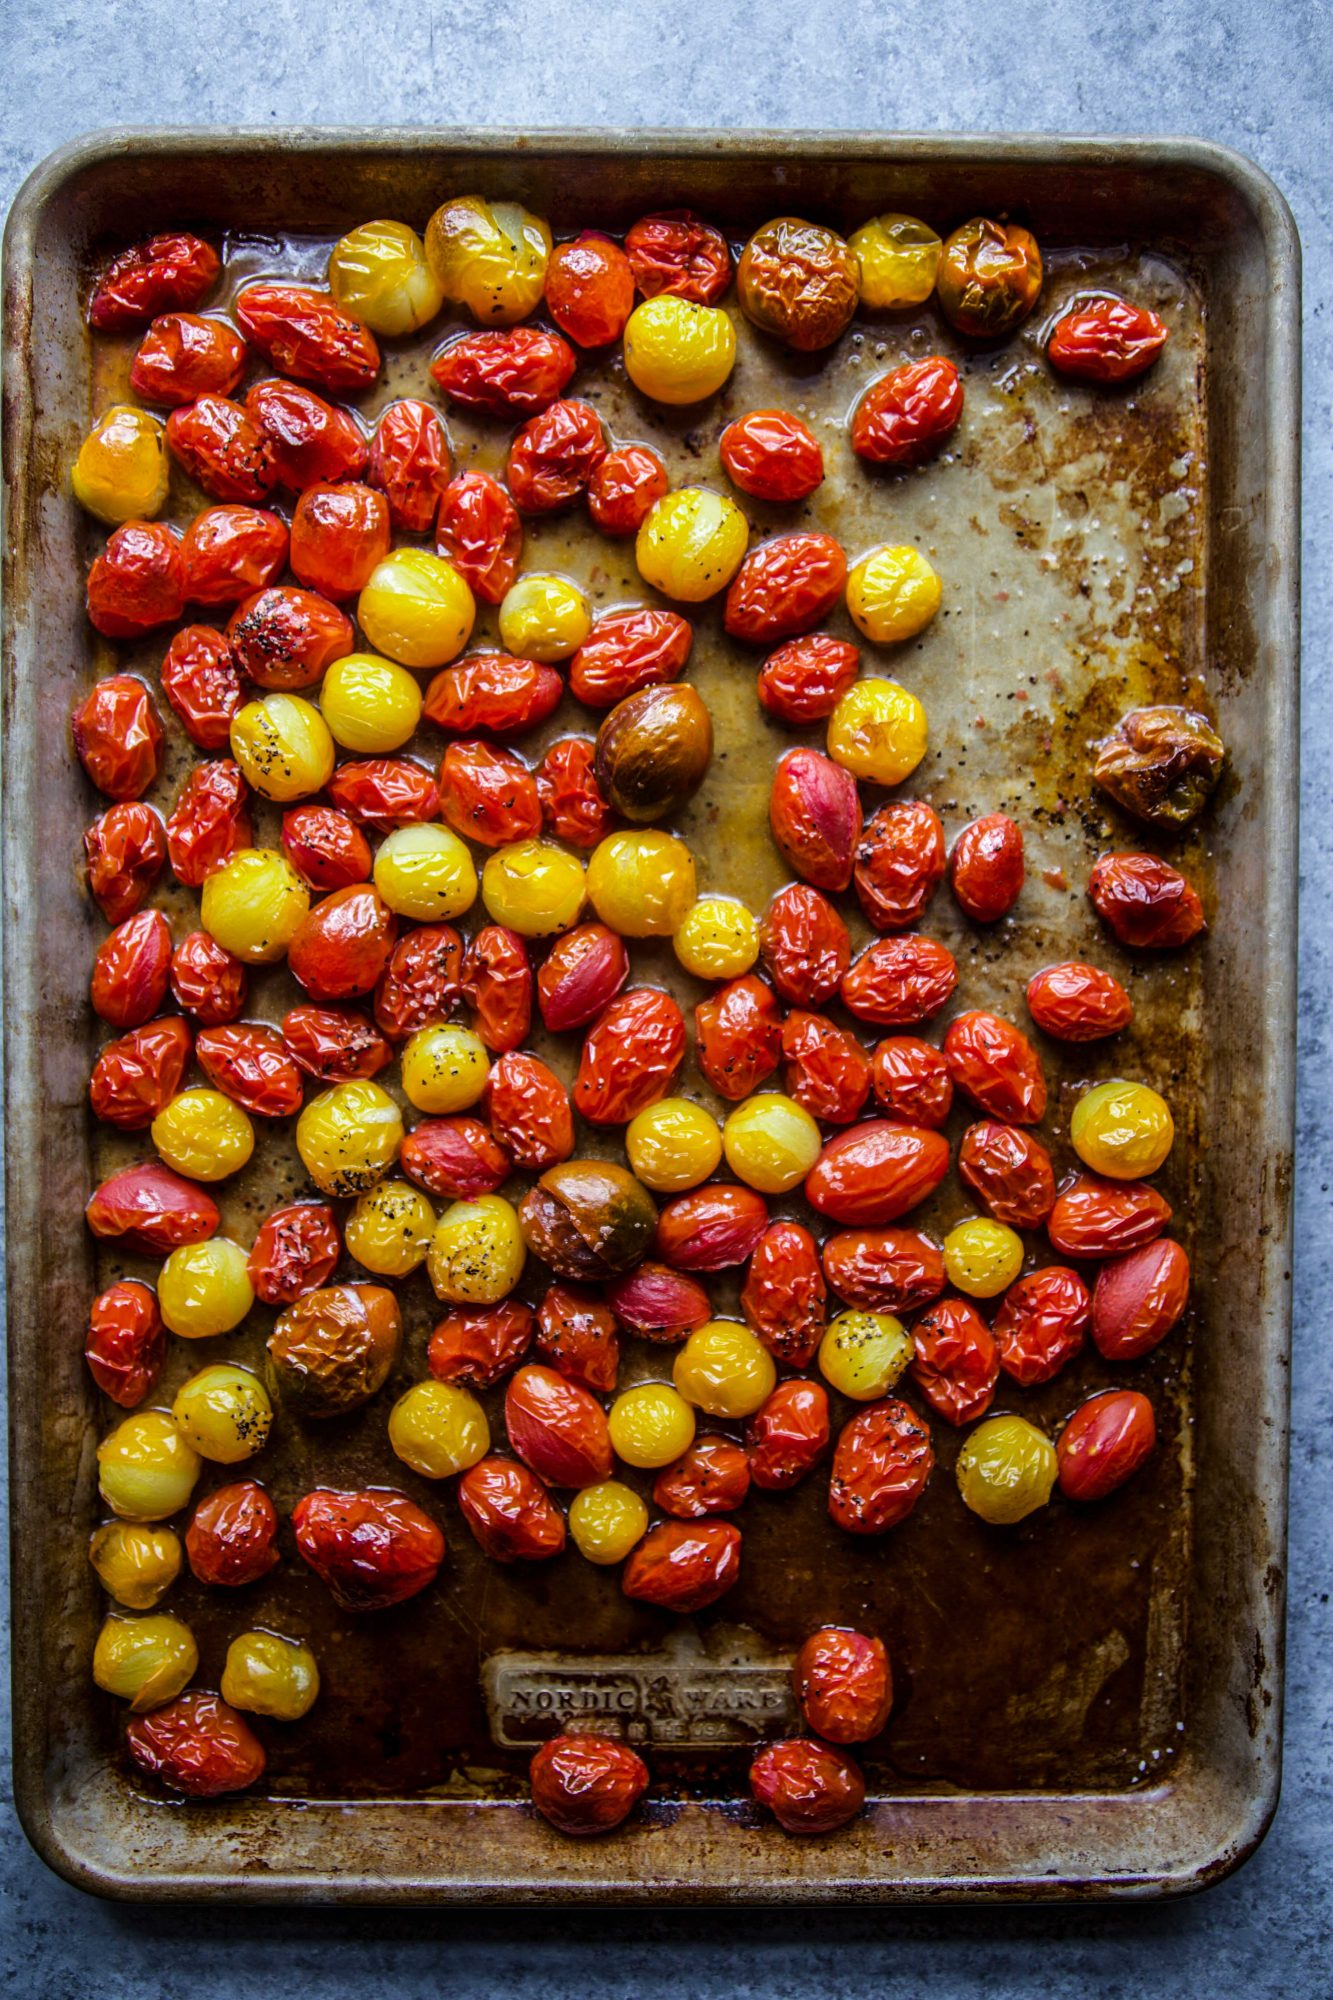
[[1143, 1756]]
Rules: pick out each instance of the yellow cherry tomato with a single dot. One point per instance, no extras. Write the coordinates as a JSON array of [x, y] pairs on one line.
[[120, 473], [771, 1142], [204, 1135], [146, 1467], [390, 1228], [1122, 1130], [380, 274], [650, 1425], [719, 938], [1006, 1470], [533, 887], [269, 1675], [892, 594], [489, 256], [370, 705], [691, 544], [899, 257], [606, 1520], [863, 1354], [283, 747], [983, 1257], [878, 732], [724, 1369], [445, 1069], [544, 617], [673, 1145], [145, 1661], [438, 1429], [224, 1413], [425, 872], [348, 1137], [677, 351], [416, 608], [254, 905], [136, 1565], [641, 882], [204, 1289], [476, 1254]]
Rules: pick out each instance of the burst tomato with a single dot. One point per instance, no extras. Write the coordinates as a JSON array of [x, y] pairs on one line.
[[339, 535], [586, 1784], [295, 1251], [629, 650], [573, 807], [308, 439], [881, 1465], [899, 981], [842, 1682], [630, 1056], [785, 587], [783, 1297], [497, 986], [422, 981], [222, 449], [372, 1549], [253, 1066], [807, 1787], [285, 638], [957, 1364], [118, 737], [126, 1345], [202, 682], [137, 1076], [1145, 903], [183, 356], [126, 851], [306, 333], [678, 252], [478, 530], [1041, 1323], [207, 981], [554, 456], [209, 822], [410, 463], [514, 372]]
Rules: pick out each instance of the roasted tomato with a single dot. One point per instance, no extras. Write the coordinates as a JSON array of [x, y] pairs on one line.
[[772, 455], [136, 1077], [332, 1348], [422, 981], [1104, 1443], [344, 944], [798, 281], [233, 1535], [630, 1056], [783, 1297], [334, 1044], [183, 356], [1078, 1003], [308, 439], [986, 867], [807, 1787], [995, 1065], [659, 1304], [529, 1111], [785, 587], [410, 463], [151, 1209], [209, 822], [339, 535], [118, 737], [492, 691], [514, 373], [510, 1512], [815, 814], [576, 1335], [138, 581], [682, 1566], [629, 650], [131, 969], [842, 1682], [989, 277], [306, 333], [127, 1342], [905, 417], [884, 1270], [1160, 764], [296, 1251], [881, 1464], [573, 806], [1098, 1218], [586, 1784], [912, 1080], [554, 456], [825, 1069], [253, 1066], [202, 682], [456, 1158], [372, 1549], [711, 1227], [805, 679], [488, 795], [738, 1036], [557, 1428], [787, 1435], [497, 986], [1106, 340], [1144, 902], [1138, 1299], [1041, 1323], [899, 981], [198, 1745], [582, 974], [590, 289], [222, 449], [957, 1364], [325, 848], [478, 530], [712, 1477], [653, 751], [207, 981], [876, 1172], [804, 945], [157, 275], [898, 863], [231, 552], [625, 488], [479, 1345], [678, 252], [1010, 1170], [384, 792], [285, 638], [126, 850]]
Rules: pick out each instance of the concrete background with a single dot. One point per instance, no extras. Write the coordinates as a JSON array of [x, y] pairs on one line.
[[1254, 74]]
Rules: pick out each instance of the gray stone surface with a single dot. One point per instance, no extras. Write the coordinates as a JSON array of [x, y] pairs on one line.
[[1255, 74]]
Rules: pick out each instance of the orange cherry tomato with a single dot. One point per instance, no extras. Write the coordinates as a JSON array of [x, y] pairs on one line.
[[131, 970], [738, 1036], [384, 792], [487, 795], [1041, 1323], [554, 456], [590, 289], [772, 455], [253, 1066], [183, 356], [138, 581], [479, 1345], [410, 463], [995, 1065], [898, 863], [805, 679], [137, 1076], [372, 1549], [881, 1464], [285, 638], [222, 449], [842, 1682], [517, 371], [510, 1512], [712, 1477], [118, 737], [202, 682], [209, 821], [625, 488], [198, 1745], [630, 1056], [684, 1566], [804, 945], [308, 440], [306, 333], [339, 535], [295, 1251], [1107, 340], [957, 1364], [884, 1270], [422, 982], [126, 1345], [678, 252], [126, 850], [783, 1297], [492, 691], [788, 1435], [477, 529], [1104, 1443], [898, 982], [207, 981], [162, 272], [529, 1112], [573, 806], [497, 986], [905, 417], [784, 587], [876, 1172], [576, 1335], [343, 945], [1010, 1170]]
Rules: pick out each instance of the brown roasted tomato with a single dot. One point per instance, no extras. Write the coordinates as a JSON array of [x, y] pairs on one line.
[[138, 581], [371, 1549], [653, 751], [422, 981], [625, 488], [232, 1538], [384, 792], [712, 1477], [479, 1345], [825, 1069], [308, 439], [876, 1172], [184, 356], [171, 270], [455, 1158], [783, 1297], [1145, 903], [898, 982], [206, 981], [711, 1227], [529, 1112], [590, 289], [1097, 1218], [554, 456], [884, 1270], [1010, 1170], [957, 1364], [343, 945], [684, 1566], [678, 252], [334, 1044], [332, 1348], [126, 1344], [841, 1680], [410, 463], [118, 737], [285, 638], [995, 1065], [659, 1304], [497, 986], [805, 679], [772, 455], [785, 587], [131, 969], [738, 1036], [510, 1512], [198, 1745], [222, 449], [515, 372], [573, 805], [209, 822], [590, 1220], [492, 691], [898, 863], [576, 1335], [230, 552], [1078, 1003], [306, 333], [1106, 340], [807, 1787], [1160, 764], [202, 682], [137, 1076], [989, 277], [799, 281], [905, 417], [787, 1435], [295, 1251], [581, 975], [881, 1464], [804, 945], [339, 534], [125, 850], [557, 1427], [630, 1056], [325, 848], [586, 1784], [151, 1209], [1138, 1299], [814, 810], [488, 795], [1104, 1443], [986, 867], [1041, 1323], [253, 1066], [912, 1081]]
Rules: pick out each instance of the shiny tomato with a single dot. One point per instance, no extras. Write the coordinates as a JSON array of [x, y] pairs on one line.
[[285, 638], [488, 795], [815, 813], [625, 488], [738, 1036], [171, 270], [126, 851], [573, 807], [384, 792], [202, 682], [1097, 1218], [710, 1228], [126, 1345], [306, 333], [957, 1364], [1078, 1003], [912, 1081], [995, 1065], [454, 1158], [137, 1076], [422, 982], [1137, 1299], [986, 867], [207, 981], [784, 587], [1041, 1323], [410, 463], [841, 1680], [805, 679], [629, 650], [1145, 903], [138, 581], [198, 1745], [131, 970], [581, 975], [339, 535], [232, 1538], [576, 1335], [295, 1251], [118, 737], [325, 848], [253, 1066], [659, 1304], [899, 981], [514, 372], [510, 1512], [1107, 340], [554, 456], [783, 1297], [334, 1044], [479, 1345], [875, 1172], [184, 356], [344, 943], [905, 417], [825, 1068], [804, 945], [209, 822], [1104, 1443], [222, 449], [788, 1435], [1010, 1170], [807, 1787], [772, 455], [884, 1270], [308, 439], [557, 1428], [529, 1112], [684, 1566], [881, 1464], [586, 1784], [477, 529], [712, 1477], [372, 1549], [492, 691], [898, 863], [151, 1209], [590, 289], [497, 986], [630, 1056], [230, 552], [678, 252]]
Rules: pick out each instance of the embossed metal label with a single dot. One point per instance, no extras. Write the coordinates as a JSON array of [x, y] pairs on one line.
[[681, 1697]]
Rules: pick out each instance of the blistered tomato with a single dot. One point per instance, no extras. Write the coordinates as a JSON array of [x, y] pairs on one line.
[[772, 455], [224, 1413], [295, 1252], [906, 416], [138, 581], [1106, 340], [771, 1143], [806, 1786], [982, 1258], [650, 1425], [171, 269], [209, 822], [804, 945], [146, 1468], [863, 1354], [230, 552], [488, 795], [137, 1565], [198, 1745], [416, 608], [410, 462], [544, 618], [1145, 902], [1122, 1130], [476, 1254], [438, 1429], [989, 277], [232, 1537], [641, 883], [340, 535], [118, 737], [478, 531], [1078, 1003], [497, 986], [284, 638], [120, 473], [125, 1347], [146, 1661], [897, 256], [986, 867], [348, 1137], [201, 680], [1104, 1443], [207, 981], [680, 253], [624, 489], [204, 1289], [516, 373], [606, 1520], [590, 289], [372, 1548], [738, 1036], [1006, 1470], [719, 938], [842, 1681], [379, 272], [724, 1369], [308, 439], [798, 281], [691, 544], [892, 594], [370, 705], [489, 256], [804, 679], [306, 333], [425, 872], [785, 586], [183, 356], [586, 1784], [677, 351]]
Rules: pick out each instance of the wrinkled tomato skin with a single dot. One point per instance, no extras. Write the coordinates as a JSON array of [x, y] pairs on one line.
[[131, 970], [554, 456], [881, 1464], [137, 1076], [1010, 1170], [529, 1112], [825, 1069], [1104, 1443], [586, 1784], [343, 945], [738, 1036], [1108, 340], [339, 535], [772, 455], [814, 810], [712, 1477], [202, 682], [911, 1080], [905, 417], [1078, 1003], [334, 1044], [630, 1056], [678, 252], [492, 691], [590, 289], [232, 1538], [137, 582], [497, 986], [478, 530], [384, 792], [454, 1158], [995, 1065], [488, 796], [788, 1435], [876, 1172], [295, 1252], [659, 1304], [957, 1364], [126, 1344], [625, 488], [126, 851], [884, 1270], [711, 1227], [209, 821], [230, 552], [986, 868], [372, 1549], [684, 1566], [306, 333], [804, 945], [1138, 1299], [1145, 903], [783, 1297], [206, 981], [325, 848], [174, 269], [514, 372], [510, 1512], [808, 1788], [308, 439], [198, 1745], [1041, 1323], [573, 806], [629, 650], [899, 862], [785, 587], [422, 981], [576, 1335], [183, 356], [479, 1345], [118, 737], [557, 1428], [151, 1209], [1097, 1218], [222, 450], [805, 679], [581, 975], [285, 638], [410, 463], [252, 1066], [841, 1680]]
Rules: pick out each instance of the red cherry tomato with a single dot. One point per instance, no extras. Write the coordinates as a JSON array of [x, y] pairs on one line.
[[881, 1465], [772, 455], [678, 252], [624, 489], [334, 1044], [738, 1036], [232, 1537], [126, 850], [783, 1297], [898, 863], [957, 1364], [712, 1477], [1107, 340], [884, 1270], [492, 691], [295, 1252], [576, 1335], [784, 587], [343, 945], [814, 810], [1041, 1323], [207, 981], [253, 1066], [630, 1056], [986, 867], [1138, 1298], [590, 289], [788, 1435], [529, 1112], [131, 970], [877, 1171], [137, 1076], [339, 534], [898, 982], [152, 1210], [209, 822], [912, 1080], [285, 638], [996, 1066], [198, 1745], [710, 1228], [126, 1345], [306, 333], [497, 986], [510, 1512], [557, 1428], [581, 975], [480, 1344], [230, 552], [684, 1566], [825, 1068], [488, 795], [454, 1158], [629, 650], [152, 277], [183, 356], [905, 417], [804, 945], [422, 982], [658, 1304], [807, 1787], [1078, 1003], [573, 807], [1104, 1443], [410, 463], [516, 371], [138, 581], [202, 682], [554, 456], [478, 530], [372, 1549], [384, 792], [222, 449], [842, 1682], [308, 439], [1145, 903], [1010, 1170], [118, 737], [805, 679], [1097, 1218], [586, 1784], [327, 850]]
